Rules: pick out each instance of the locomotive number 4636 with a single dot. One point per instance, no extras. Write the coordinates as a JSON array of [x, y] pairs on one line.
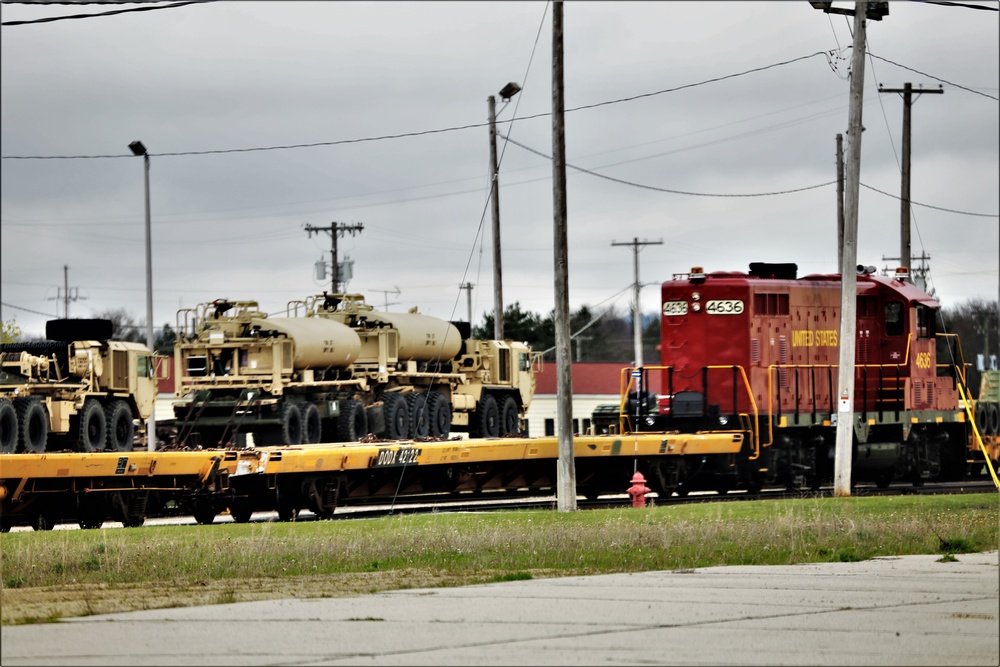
[[724, 307]]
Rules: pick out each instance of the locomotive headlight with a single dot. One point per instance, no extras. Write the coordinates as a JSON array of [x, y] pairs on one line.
[[696, 307], [695, 296]]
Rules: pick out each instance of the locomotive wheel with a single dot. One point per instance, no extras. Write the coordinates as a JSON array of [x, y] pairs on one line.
[[311, 426], [416, 405], [438, 415], [397, 417], [92, 432], [33, 424], [291, 424], [487, 418], [352, 424], [8, 427], [509, 418], [120, 428]]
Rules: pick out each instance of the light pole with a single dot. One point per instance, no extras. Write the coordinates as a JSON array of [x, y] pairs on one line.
[[139, 149], [507, 92]]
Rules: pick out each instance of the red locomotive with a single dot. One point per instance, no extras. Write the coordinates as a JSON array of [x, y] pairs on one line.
[[757, 353]]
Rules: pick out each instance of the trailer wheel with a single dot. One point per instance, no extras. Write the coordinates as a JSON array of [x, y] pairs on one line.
[[352, 424], [120, 427], [397, 417], [291, 424], [92, 432], [33, 424], [311, 426], [438, 415], [8, 427], [487, 418], [509, 418], [416, 404]]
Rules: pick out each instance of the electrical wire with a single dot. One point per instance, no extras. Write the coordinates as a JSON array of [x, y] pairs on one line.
[[90, 16]]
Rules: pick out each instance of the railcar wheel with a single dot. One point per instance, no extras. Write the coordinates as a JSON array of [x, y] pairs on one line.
[[397, 417], [487, 418], [43, 521], [241, 511], [204, 513], [416, 405], [33, 424], [312, 428], [438, 415], [510, 418], [352, 424], [92, 428], [291, 424], [8, 427], [120, 427]]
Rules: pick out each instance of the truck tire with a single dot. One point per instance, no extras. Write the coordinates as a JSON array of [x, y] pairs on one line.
[[416, 404], [8, 427], [982, 418], [397, 417], [994, 419], [312, 428], [438, 415], [352, 424], [33, 425], [120, 427], [487, 418], [92, 432], [510, 418], [291, 424]]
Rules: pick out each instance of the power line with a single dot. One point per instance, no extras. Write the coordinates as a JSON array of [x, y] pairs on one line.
[[417, 133], [90, 16], [931, 76]]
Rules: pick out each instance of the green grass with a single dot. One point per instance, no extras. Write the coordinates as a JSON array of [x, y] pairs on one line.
[[512, 545]]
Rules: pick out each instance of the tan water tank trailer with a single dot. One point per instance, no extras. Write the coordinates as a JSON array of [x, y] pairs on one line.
[[421, 337], [319, 343]]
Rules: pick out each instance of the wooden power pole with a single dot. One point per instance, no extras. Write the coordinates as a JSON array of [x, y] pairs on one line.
[[905, 254], [335, 230], [566, 474]]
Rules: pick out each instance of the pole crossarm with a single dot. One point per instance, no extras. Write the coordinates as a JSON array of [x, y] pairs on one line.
[[335, 230]]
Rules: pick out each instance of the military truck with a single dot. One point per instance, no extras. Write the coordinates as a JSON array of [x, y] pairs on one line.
[[77, 390], [336, 370]]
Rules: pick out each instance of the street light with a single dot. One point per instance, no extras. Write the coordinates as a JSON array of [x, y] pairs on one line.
[[507, 92], [137, 150]]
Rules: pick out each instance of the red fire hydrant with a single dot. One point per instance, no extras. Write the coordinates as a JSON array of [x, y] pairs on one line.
[[638, 490]]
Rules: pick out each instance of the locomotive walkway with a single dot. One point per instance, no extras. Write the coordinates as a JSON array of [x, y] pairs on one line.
[[910, 610]]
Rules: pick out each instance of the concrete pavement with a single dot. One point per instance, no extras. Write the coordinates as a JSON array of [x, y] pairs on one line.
[[910, 610]]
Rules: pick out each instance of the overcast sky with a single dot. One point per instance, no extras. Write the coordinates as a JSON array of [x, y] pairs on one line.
[[676, 108]]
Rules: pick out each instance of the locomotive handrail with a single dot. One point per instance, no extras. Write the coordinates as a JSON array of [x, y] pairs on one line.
[[625, 386]]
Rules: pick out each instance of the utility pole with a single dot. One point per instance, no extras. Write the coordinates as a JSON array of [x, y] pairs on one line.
[[335, 230], [904, 198], [840, 199], [468, 298], [495, 201], [566, 477], [843, 452], [507, 92], [637, 290], [67, 295]]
